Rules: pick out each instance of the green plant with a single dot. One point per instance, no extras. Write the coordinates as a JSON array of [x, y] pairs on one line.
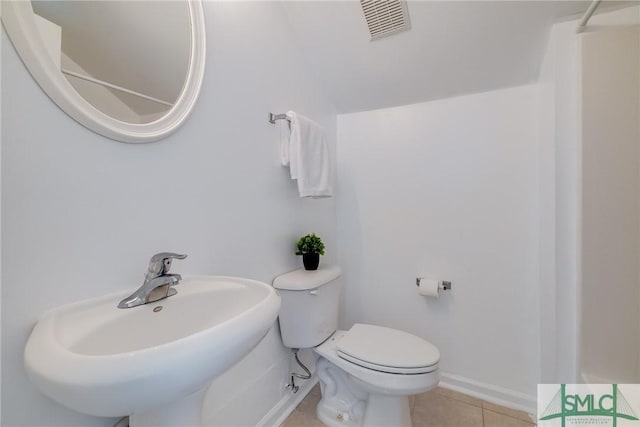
[[310, 244]]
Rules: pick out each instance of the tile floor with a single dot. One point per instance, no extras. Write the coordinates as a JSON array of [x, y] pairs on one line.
[[436, 408]]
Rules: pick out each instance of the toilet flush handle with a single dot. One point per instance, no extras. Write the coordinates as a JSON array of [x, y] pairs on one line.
[[314, 292]]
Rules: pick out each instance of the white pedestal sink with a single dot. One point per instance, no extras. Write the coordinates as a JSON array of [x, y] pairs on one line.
[[151, 362]]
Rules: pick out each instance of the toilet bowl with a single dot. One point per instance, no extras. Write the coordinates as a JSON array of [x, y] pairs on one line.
[[368, 373]]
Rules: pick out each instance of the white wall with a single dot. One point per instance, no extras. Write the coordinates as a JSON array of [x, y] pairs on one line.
[[81, 214], [448, 189], [610, 314]]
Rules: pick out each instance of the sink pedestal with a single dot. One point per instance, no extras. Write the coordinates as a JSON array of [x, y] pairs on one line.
[[186, 412]]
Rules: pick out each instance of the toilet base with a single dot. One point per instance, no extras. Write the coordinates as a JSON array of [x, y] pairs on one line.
[[332, 418], [384, 410], [346, 402], [343, 403], [381, 411]]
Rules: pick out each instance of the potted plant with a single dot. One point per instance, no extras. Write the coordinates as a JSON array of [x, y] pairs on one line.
[[310, 247]]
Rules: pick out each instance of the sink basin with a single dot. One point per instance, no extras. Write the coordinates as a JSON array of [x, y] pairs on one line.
[[151, 360]]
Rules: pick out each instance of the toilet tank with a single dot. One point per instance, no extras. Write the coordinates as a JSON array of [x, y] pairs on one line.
[[309, 305]]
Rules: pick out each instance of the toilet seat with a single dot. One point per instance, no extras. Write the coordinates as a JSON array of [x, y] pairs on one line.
[[377, 380], [387, 350]]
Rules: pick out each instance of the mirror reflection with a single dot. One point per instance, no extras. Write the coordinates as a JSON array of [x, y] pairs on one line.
[[128, 59]]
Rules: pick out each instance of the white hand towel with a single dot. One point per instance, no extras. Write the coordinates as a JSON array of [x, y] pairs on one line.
[[309, 157], [284, 130]]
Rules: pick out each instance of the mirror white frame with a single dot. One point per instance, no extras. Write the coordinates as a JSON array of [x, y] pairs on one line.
[[20, 23]]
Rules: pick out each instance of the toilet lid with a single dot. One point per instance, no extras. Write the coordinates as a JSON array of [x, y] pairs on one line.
[[387, 350]]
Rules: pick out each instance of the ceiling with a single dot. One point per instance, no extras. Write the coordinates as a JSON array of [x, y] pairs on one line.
[[452, 48]]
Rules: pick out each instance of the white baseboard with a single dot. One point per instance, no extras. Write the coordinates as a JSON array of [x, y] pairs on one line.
[[491, 393], [286, 405]]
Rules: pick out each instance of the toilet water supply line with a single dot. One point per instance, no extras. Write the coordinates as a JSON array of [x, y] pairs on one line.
[[292, 385]]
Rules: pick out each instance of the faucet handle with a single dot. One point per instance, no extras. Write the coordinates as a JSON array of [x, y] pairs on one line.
[[160, 263]]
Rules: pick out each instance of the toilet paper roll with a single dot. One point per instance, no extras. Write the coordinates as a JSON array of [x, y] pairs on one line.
[[429, 287]]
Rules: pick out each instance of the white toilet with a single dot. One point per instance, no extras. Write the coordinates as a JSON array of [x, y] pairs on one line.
[[366, 373]]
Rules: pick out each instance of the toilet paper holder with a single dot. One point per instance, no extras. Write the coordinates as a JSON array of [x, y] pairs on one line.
[[443, 285]]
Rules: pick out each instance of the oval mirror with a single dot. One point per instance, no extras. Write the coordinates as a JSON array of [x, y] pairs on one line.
[[128, 70]]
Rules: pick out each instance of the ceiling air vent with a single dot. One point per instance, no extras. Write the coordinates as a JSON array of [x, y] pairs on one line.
[[385, 17]]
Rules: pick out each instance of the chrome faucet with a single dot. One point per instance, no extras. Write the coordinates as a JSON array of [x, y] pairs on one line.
[[158, 283]]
